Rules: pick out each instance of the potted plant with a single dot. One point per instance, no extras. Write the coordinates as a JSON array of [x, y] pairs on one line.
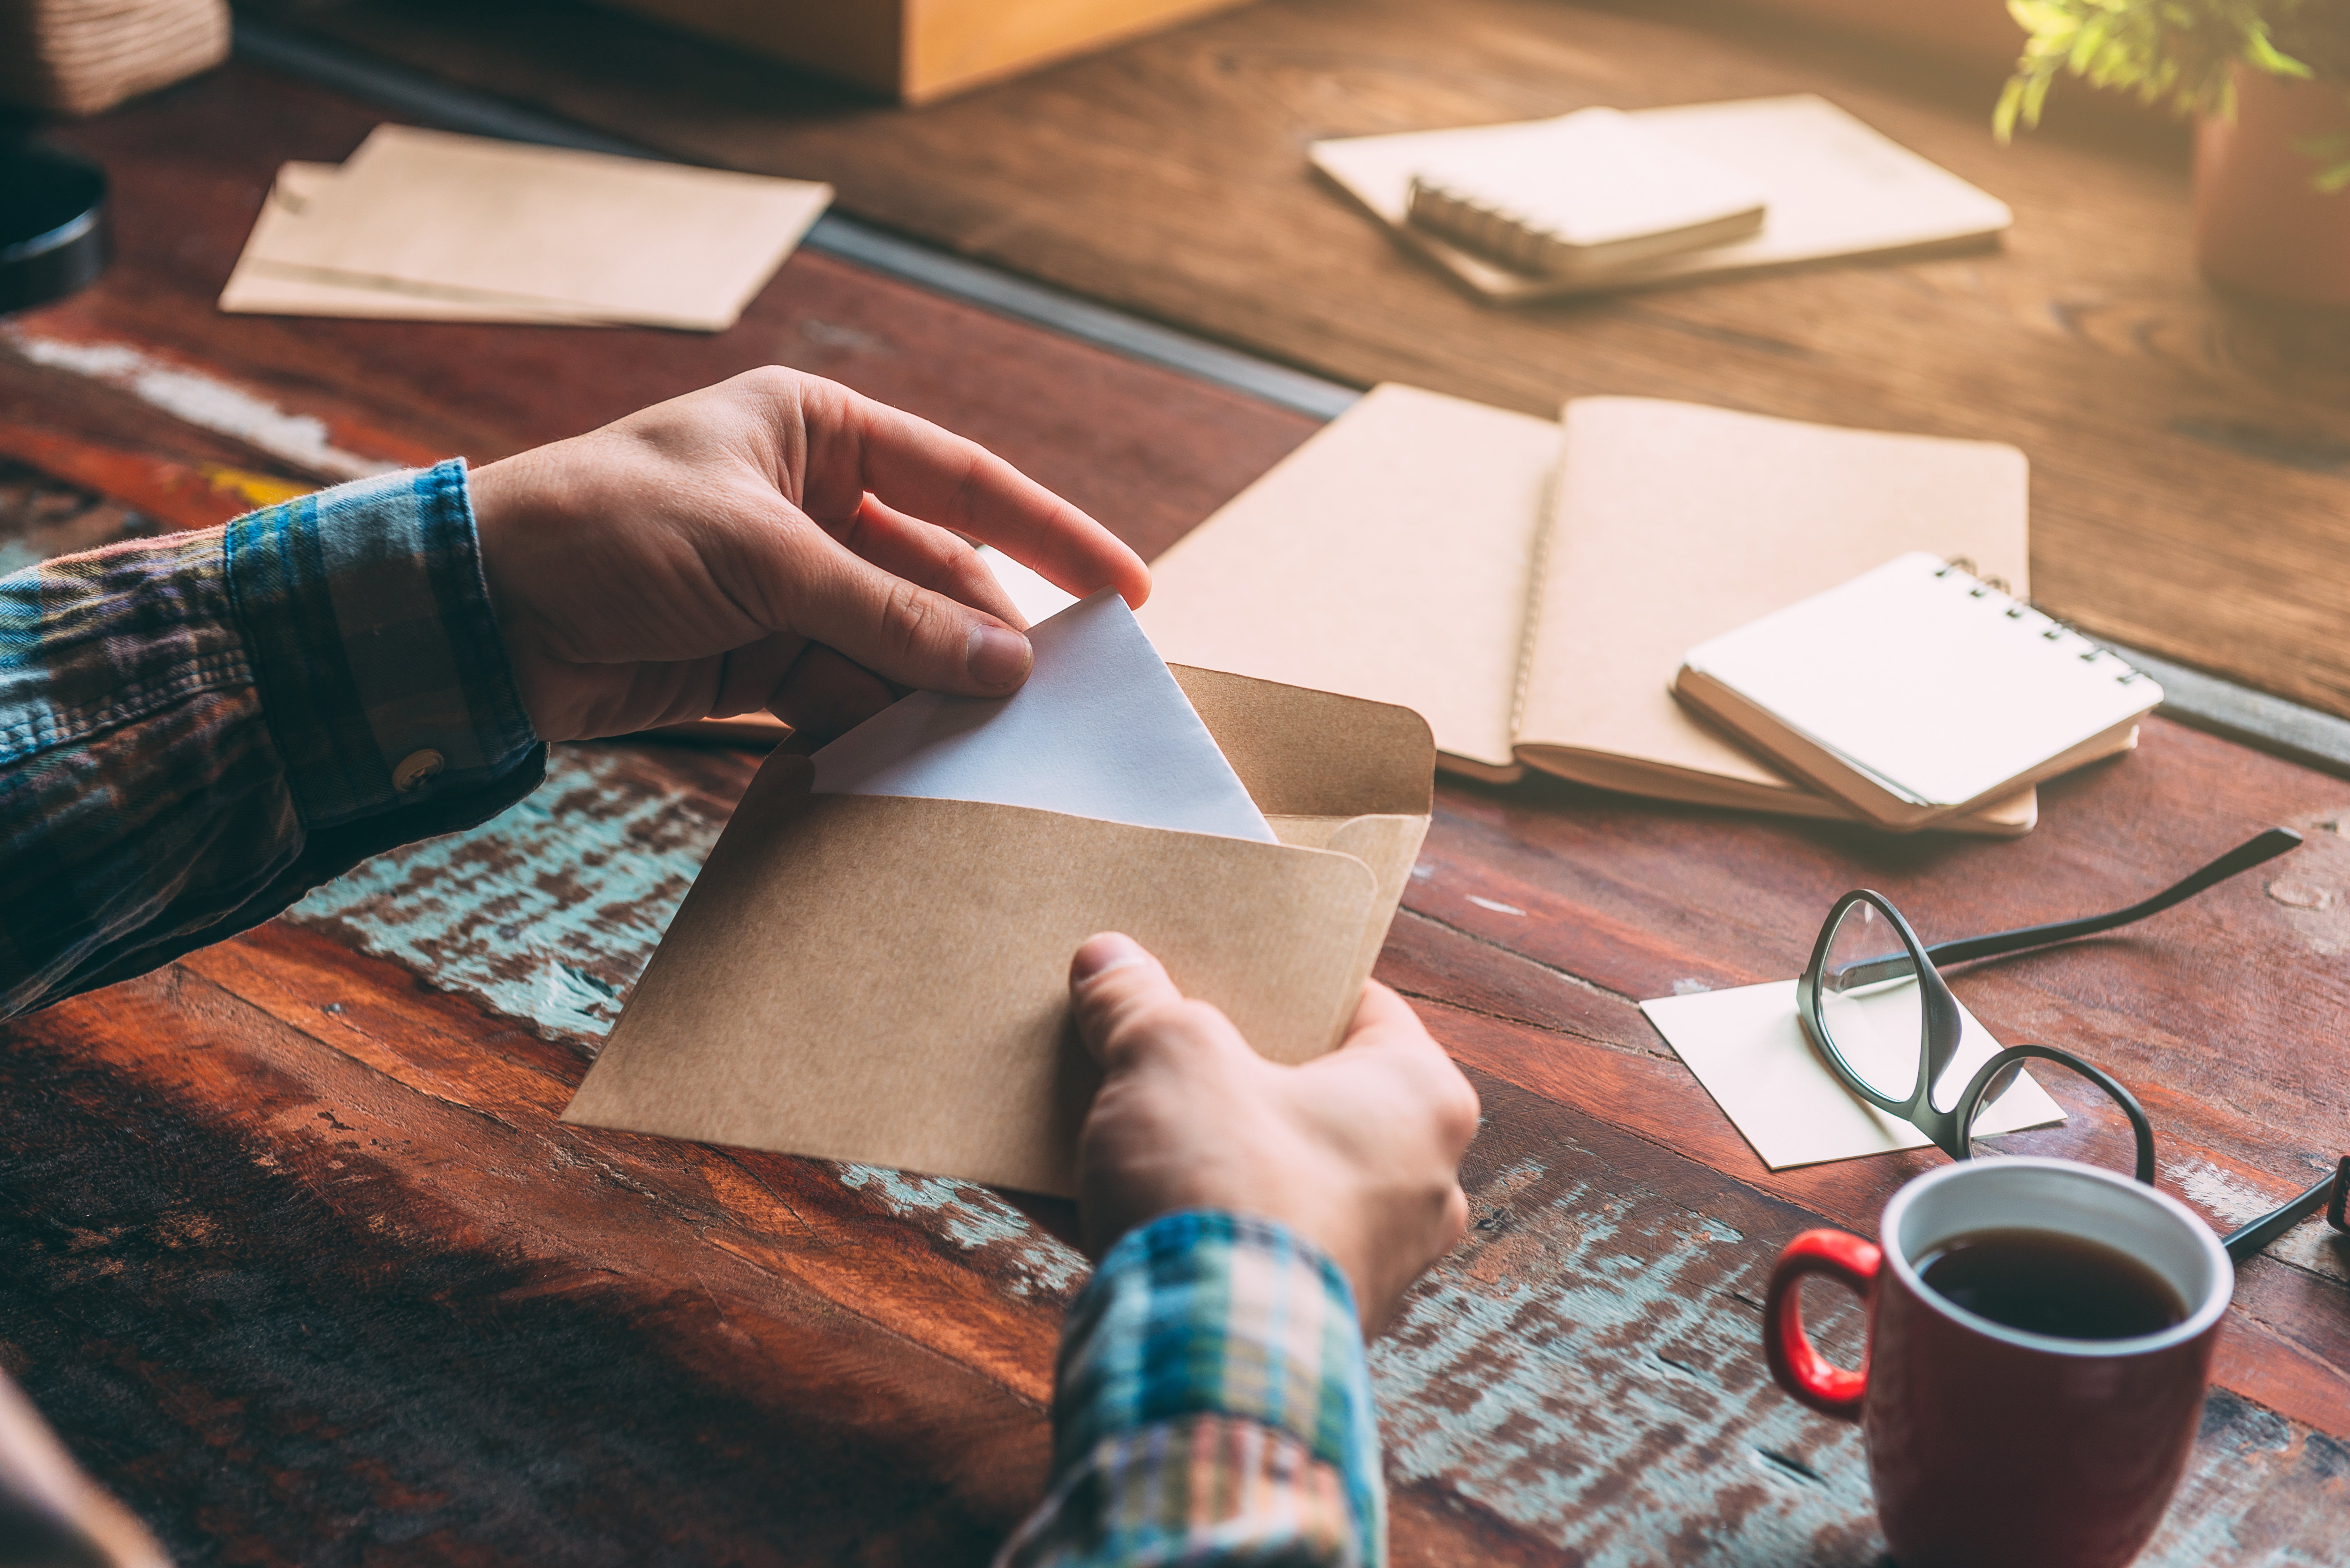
[[2269, 82]]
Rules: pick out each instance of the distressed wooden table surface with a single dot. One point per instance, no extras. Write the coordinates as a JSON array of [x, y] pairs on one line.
[[295, 1254]]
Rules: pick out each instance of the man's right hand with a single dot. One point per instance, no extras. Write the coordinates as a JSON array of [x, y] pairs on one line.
[[1357, 1152]]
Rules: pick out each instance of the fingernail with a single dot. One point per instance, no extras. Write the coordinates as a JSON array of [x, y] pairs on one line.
[[1104, 953], [996, 656]]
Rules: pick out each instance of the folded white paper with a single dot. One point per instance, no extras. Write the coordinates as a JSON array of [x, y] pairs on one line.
[[1100, 730], [1748, 1048], [1035, 599]]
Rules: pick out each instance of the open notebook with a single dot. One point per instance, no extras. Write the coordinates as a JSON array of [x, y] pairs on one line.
[[1530, 586]]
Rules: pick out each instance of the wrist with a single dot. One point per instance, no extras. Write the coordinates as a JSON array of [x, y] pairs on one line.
[[1207, 1314], [368, 623]]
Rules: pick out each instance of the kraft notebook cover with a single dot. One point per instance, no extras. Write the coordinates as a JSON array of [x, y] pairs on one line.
[[1835, 187], [1530, 587], [1917, 689], [1587, 190], [885, 978]]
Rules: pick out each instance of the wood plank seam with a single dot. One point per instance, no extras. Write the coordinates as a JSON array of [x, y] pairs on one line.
[[1576, 980]]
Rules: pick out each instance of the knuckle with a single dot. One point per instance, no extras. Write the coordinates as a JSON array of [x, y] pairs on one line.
[[908, 615], [1145, 1024], [1458, 1109]]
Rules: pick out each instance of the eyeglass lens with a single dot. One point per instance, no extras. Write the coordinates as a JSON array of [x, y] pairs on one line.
[[1870, 1002]]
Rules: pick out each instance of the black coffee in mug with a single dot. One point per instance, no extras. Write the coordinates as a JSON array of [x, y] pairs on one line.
[[2052, 1282]]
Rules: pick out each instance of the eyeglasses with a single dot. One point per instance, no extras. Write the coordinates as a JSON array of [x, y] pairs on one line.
[[1880, 1016]]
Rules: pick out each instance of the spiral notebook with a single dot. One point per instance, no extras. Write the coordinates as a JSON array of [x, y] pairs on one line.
[[1530, 586], [1590, 190], [1917, 691]]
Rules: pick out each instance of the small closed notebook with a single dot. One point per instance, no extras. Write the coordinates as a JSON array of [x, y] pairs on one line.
[[1916, 691], [1592, 189]]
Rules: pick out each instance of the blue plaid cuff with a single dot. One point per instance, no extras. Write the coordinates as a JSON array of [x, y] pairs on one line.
[[374, 645], [1211, 1314]]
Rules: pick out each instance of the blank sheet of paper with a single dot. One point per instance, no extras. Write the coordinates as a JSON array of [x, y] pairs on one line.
[[1100, 730], [1748, 1048], [262, 286], [622, 239]]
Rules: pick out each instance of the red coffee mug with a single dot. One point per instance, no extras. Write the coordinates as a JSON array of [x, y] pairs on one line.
[[1988, 1445]]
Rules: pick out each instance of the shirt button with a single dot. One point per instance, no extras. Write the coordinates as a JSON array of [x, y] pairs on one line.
[[416, 770]]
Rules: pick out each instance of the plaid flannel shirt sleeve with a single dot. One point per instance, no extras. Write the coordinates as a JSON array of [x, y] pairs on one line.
[[197, 730], [1212, 1405]]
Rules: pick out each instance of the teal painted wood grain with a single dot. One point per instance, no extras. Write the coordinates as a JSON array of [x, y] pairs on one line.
[[1586, 1367], [547, 913]]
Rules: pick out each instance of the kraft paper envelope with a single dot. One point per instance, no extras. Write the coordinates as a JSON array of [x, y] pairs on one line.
[[260, 286], [618, 239], [885, 980]]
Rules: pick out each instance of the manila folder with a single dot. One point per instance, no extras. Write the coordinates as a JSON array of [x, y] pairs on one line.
[[885, 980]]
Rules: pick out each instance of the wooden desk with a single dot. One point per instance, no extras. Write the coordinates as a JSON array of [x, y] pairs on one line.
[[2191, 460], [295, 1254]]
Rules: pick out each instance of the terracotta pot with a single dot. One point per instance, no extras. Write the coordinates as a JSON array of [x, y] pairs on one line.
[[2262, 228]]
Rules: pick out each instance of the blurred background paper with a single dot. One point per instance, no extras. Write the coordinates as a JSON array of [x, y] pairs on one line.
[[548, 232], [1835, 188], [260, 286], [1748, 1048], [1100, 730]]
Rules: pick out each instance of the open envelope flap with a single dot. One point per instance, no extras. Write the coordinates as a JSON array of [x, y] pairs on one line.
[[1329, 773], [885, 978], [1303, 752]]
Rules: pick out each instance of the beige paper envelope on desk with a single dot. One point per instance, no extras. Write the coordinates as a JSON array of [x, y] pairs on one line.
[[885, 978], [618, 239], [260, 286]]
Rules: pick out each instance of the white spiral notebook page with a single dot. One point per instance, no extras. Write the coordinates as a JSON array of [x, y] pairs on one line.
[[1935, 686]]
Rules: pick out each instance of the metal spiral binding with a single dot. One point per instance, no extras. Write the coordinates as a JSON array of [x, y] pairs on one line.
[[2016, 610]]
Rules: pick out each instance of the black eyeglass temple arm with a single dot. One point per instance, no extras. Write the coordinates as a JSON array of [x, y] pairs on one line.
[[2267, 846], [2253, 1239]]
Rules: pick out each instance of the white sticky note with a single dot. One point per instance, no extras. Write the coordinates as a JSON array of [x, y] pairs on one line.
[[1748, 1048], [1100, 730]]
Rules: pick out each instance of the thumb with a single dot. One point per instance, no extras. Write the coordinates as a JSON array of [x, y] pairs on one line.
[[907, 634], [1114, 983]]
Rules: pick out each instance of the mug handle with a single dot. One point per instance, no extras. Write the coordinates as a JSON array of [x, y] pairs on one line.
[[1798, 1365]]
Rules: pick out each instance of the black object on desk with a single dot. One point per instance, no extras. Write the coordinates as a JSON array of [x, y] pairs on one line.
[[53, 225]]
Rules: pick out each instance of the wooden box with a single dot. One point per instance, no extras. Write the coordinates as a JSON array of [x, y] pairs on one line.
[[917, 50]]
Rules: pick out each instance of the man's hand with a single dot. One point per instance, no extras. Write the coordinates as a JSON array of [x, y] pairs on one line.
[[1358, 1152], [776, 541]]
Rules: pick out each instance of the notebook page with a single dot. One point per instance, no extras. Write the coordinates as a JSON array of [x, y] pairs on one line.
[[1675, 523], [1388, 558], [1938, 688]]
